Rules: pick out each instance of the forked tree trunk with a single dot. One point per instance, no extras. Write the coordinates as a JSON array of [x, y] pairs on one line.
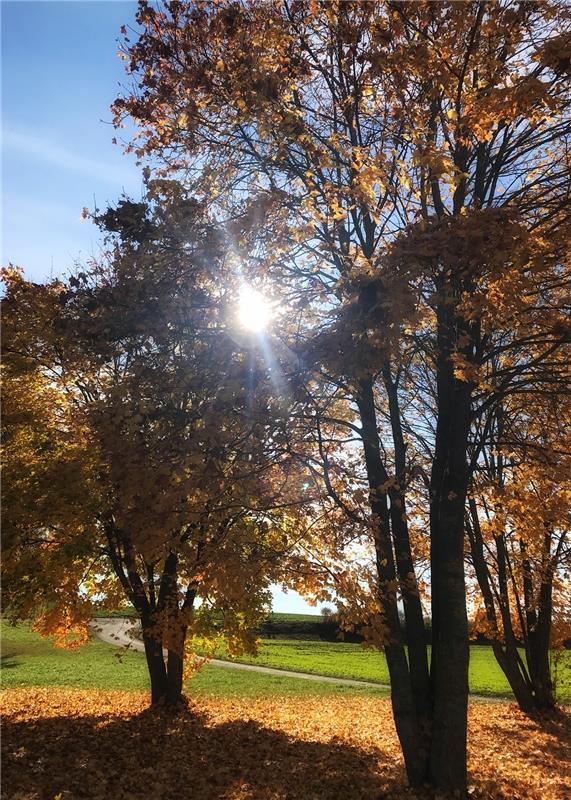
[[505, 652], [538, 629], [430, 713], [411, 709], [510, 664], [414, 619], [165, 671]]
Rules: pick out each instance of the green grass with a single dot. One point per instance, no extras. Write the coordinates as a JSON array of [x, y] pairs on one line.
[[28, 660], [345, 660], [277, 616], [339, 660]]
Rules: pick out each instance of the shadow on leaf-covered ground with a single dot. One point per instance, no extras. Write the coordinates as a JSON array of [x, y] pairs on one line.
[[68, 743], [150, 756]]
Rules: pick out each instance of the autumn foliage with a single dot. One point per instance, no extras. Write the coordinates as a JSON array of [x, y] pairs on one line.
[[397, 175], [140, 462], [401, 172]]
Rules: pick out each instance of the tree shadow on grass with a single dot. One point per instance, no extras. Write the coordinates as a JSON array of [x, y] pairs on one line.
[[151, 756]]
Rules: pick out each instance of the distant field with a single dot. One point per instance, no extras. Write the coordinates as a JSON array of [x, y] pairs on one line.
[[129, 611], [280, 617], [28, 660]]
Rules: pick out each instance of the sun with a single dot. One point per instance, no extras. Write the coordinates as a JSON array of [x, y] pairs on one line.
[[254, 310]]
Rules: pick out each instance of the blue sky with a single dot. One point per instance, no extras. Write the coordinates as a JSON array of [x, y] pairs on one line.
[[60, 73]]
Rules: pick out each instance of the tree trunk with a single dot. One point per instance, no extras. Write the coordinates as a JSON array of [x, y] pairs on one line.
[[532, 687], [166, 675], [506, 653], [448, 489], [414, 619], [412, 736], [175, 664], [511, 669], [156, 664], [540, 637]]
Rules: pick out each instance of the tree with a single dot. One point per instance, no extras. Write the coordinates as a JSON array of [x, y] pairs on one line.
[[139, 459], [344, 138], [518, 527], [49, 497]]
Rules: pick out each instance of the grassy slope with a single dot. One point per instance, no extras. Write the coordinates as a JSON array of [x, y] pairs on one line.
[[352, 661], [28, 660]]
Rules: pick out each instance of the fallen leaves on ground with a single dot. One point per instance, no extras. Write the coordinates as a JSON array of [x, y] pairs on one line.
[[61, 743]]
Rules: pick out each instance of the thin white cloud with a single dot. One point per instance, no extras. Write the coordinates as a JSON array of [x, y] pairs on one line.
[[43, 150]]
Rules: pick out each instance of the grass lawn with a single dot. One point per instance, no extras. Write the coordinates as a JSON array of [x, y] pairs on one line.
[[353, 661], [29, 660], [347, 660]]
